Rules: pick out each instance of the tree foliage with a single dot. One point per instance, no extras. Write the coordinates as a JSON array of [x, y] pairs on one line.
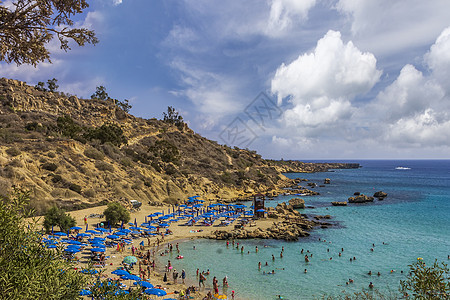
[[58, 217], [427, 282], [27, 26], [108, 132], [67, 127], [101, 94], [173, 117], [29, 270], [116, 212]]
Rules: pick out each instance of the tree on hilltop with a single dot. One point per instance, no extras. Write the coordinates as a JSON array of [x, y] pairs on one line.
[[27, 26], [173, 117], [101, 94], [51, 86]]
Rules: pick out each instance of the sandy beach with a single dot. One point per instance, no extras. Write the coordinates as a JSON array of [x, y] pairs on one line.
[[179, 233]]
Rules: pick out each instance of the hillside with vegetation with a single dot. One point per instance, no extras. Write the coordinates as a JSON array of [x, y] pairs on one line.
[[78, 153]]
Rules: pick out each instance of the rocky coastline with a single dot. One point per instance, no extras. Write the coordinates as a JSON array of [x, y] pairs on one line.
[[290, 225]]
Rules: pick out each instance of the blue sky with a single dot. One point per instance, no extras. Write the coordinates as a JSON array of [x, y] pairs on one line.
[[344, 79]]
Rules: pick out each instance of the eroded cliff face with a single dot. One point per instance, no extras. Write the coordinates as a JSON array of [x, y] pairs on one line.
[[84, 152], [60, 163]]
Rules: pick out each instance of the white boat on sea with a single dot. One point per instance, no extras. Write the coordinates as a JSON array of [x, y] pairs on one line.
[[402, 168]]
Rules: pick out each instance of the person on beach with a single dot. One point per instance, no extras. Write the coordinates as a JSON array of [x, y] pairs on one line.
[[225, 282], [85, 220], [175, 276], [201, 280], [281, 254], [256, 249], [370, 285], [232, 295], [183, 275], [273, 258], [259, 266]]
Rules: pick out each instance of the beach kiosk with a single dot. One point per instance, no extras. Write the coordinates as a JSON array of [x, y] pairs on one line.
[[258, 205]]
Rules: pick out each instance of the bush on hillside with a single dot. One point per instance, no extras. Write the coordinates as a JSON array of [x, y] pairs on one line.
[[94, 154], [49, 166], [13, 151]]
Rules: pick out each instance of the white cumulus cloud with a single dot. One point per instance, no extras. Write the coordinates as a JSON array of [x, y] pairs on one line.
[[285, 13], [322, 84]]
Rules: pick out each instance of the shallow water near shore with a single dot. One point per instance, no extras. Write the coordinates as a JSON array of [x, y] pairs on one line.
[[413, 221]]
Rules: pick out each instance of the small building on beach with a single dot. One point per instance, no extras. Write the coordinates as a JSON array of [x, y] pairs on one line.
[[258, 205]]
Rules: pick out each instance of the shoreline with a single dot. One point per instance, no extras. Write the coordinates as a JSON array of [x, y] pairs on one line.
[[180, 235]]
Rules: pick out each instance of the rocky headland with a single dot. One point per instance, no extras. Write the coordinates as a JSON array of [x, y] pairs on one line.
[[289, 225]]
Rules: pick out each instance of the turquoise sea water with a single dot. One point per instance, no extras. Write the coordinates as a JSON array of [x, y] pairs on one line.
[[413, 221]]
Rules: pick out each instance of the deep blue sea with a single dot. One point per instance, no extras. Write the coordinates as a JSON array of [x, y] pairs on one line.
[[413, 221]]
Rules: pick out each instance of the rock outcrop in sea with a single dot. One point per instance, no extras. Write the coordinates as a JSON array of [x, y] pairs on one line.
[[360, 199]]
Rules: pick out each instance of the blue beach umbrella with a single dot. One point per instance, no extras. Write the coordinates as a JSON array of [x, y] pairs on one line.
[[113, 236], [92, 231], [260, 210], [156, 292], [51, 246], [97, 250], [75, 228], [60, 234], [85, 292], [120, 272], [131, 277], [83, 235], [72, 250], [145, 284]]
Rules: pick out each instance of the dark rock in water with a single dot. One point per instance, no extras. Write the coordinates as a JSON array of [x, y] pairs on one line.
[[321, 185], [360, 199], [311, 184], [337, 203], [327, 181], [297, 203], [380, 195], [356, 193]]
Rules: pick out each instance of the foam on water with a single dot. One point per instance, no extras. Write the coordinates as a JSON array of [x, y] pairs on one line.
[[413, 221]]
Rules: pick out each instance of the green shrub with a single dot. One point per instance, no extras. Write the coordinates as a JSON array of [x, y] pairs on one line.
[[108, 132], [104, 166], [29, 270], [75, 187], [94, 154], [116, 212], [56, 178], [427, 282], [67, 127], [126, 162], [58, 217], [49, 166], [90, 193], [13, 151]]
